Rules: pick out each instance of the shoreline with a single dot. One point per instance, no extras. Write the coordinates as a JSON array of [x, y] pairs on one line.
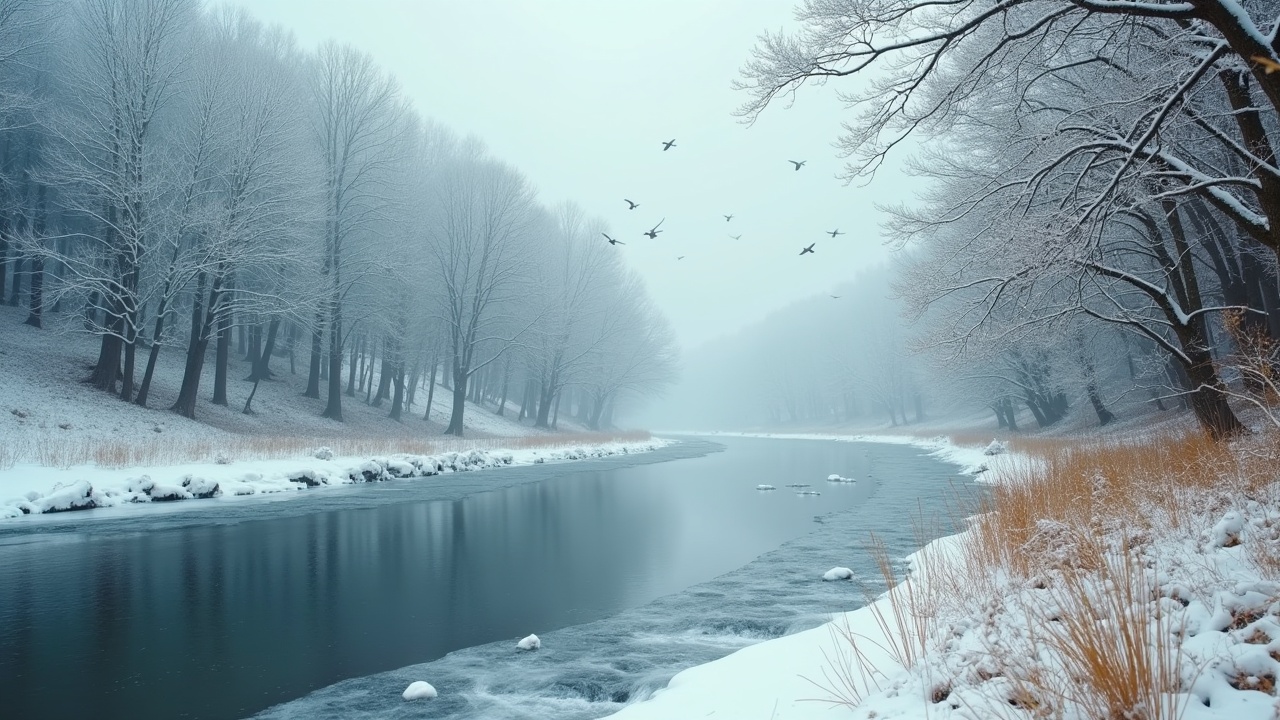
[[27, 491], [780, 678]]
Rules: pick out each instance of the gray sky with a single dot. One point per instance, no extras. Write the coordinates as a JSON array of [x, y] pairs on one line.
[[579, 95]]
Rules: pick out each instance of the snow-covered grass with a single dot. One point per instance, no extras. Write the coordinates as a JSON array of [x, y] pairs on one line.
[[1134, 578], [32, 489], [49, 416]]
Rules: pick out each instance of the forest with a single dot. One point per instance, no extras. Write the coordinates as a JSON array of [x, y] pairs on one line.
[[1097, 222], [184, 183]]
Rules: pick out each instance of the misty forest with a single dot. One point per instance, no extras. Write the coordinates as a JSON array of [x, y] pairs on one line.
[[813, 358]]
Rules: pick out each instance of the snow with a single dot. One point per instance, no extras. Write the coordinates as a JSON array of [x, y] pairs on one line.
[[996, 448], [838, 573], [776, 679], [1201, 596], [420, 690], [529, 643], [30, 489], [44, 404]]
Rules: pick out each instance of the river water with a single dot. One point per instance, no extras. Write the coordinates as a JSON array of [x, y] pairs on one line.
[[326, 606]]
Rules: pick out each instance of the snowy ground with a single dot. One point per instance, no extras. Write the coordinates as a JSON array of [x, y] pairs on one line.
[[43, 402], [29, 489]]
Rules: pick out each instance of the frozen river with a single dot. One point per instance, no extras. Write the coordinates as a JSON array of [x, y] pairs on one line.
[[629, 569]]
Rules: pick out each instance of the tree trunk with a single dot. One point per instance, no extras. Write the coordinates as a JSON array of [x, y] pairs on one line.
[[293, 342], [397, 399], [254, 352], [313, 370], [431, 388], [221, 359], [197, 345], [261, 369], [36, 317], [333, 410], [1104, 415], [459, 400], [15, 292], [384, 378], [248, 403], [357, 348], [506, 386]]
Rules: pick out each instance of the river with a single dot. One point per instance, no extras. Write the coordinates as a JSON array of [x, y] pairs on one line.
[[628, 568]]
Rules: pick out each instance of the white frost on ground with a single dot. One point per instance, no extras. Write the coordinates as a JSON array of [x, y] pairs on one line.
[[420, 690], [28, 489], [838, 573], [529, 643], [44, 403]]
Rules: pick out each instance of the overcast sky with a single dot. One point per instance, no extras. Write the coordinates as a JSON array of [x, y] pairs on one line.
[[580, 94]]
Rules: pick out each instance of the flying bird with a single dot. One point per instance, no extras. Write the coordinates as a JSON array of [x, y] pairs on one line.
[[633, 205], [835, 297], [799, 164], [808, 250], [682, 257], [612, 241], [727, 218], [668, 144], [653, 234], [835, 232], [736, 237]]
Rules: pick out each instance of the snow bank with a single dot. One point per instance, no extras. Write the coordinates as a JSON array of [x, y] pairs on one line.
[[34, 490], [972, 460], [529, 643], [420, 690]]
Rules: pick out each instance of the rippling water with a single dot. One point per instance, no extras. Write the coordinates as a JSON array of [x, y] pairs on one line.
[[629, 569]]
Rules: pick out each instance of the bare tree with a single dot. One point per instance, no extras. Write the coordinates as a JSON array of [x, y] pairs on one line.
[[484, 209]]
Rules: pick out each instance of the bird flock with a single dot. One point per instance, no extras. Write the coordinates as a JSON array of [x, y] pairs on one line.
[[653, 232]]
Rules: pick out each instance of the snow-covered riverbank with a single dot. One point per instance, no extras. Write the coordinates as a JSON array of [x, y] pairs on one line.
[[779, 679], [27, 489], [1147, 588]]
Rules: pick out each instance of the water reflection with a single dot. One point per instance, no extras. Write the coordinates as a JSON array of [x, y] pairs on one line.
[[219, 621]]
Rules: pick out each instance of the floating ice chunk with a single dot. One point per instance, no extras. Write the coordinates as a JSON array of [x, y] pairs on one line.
[[530, 643], [766, 487], [808, 492], [420, 690], [839, 478], [838, 573], [798, 485], [996, 448]]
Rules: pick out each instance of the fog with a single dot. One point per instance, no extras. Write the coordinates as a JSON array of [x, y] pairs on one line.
[[637, 215]]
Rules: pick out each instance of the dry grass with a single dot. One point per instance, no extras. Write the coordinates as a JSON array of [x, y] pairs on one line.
[[62, 453], [1067, 529], [1121, 659]]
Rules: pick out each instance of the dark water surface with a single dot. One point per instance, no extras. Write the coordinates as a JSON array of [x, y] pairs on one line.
[[233, 609]]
